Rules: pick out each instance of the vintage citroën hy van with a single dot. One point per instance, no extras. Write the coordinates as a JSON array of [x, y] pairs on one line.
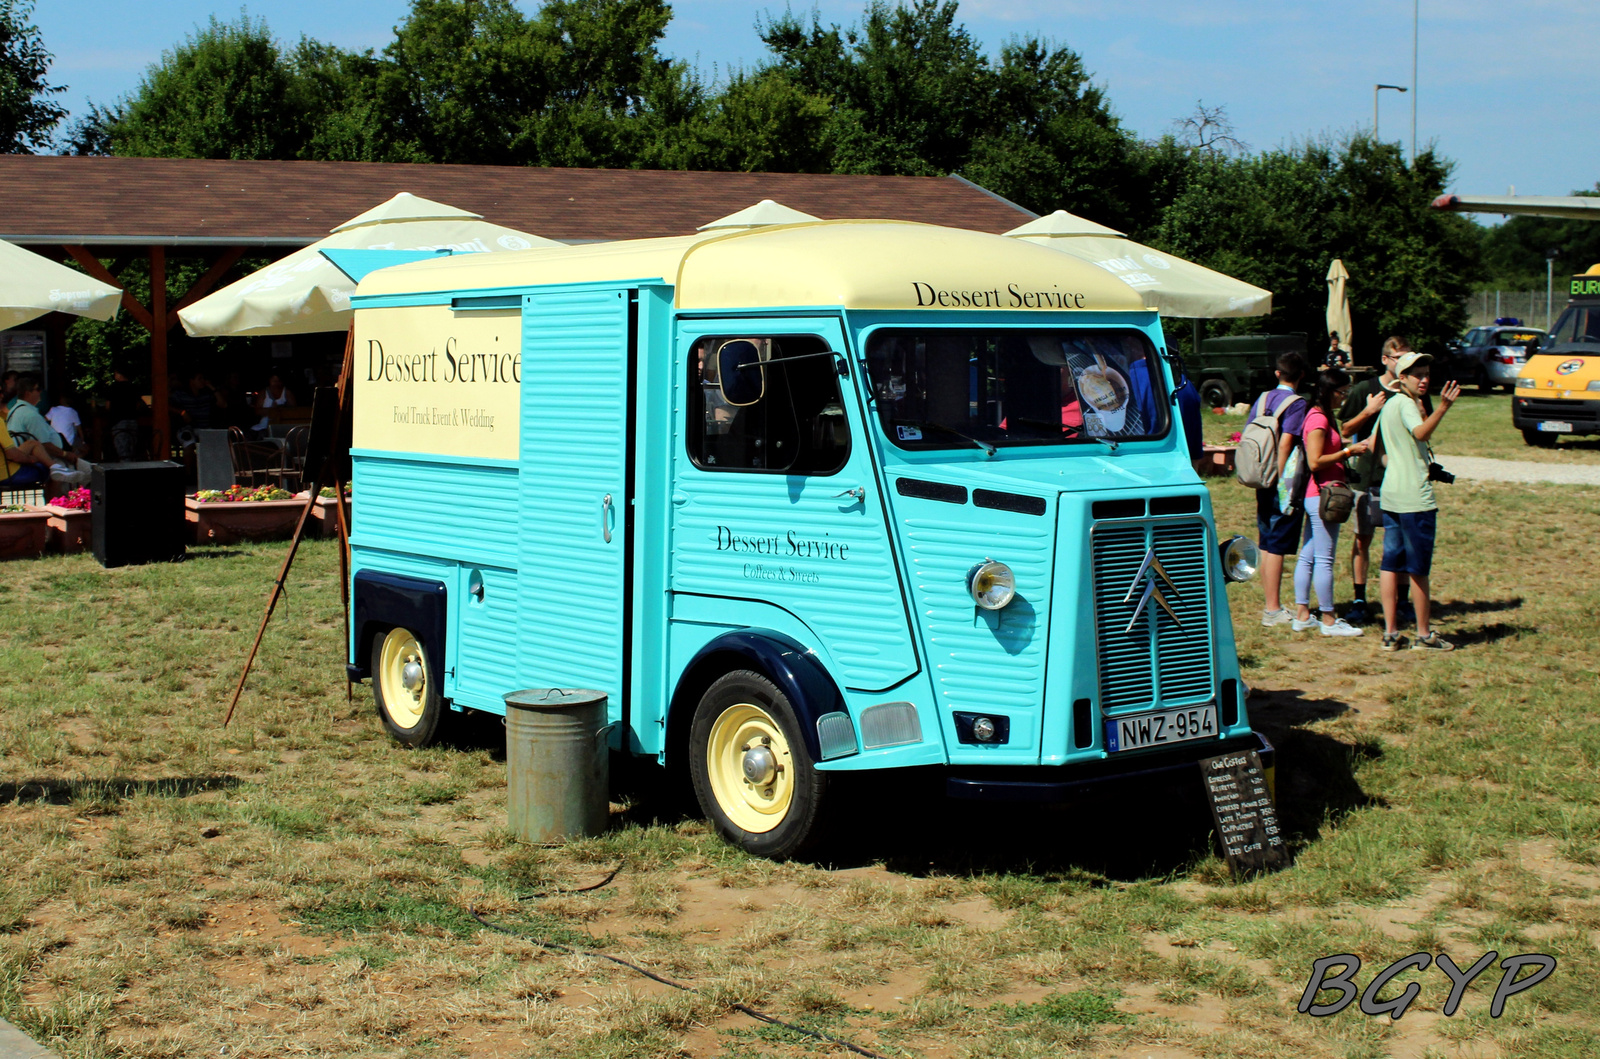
[[801, 499]]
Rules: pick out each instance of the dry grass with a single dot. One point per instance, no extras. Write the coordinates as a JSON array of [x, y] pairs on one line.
[[296, 885]]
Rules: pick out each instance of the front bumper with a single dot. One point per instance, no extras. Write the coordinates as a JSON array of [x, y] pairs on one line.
[[1583, 413], [1058, 783]]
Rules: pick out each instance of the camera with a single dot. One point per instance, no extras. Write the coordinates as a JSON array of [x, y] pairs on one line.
[[1437, 473]]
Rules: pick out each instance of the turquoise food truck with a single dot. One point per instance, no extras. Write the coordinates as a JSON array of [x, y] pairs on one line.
[[800, 500]]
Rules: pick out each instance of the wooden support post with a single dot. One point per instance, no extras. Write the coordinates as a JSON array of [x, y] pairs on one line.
[[160, 443]]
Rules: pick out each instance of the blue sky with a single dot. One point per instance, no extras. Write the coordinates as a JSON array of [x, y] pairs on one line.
[[1507, 90]]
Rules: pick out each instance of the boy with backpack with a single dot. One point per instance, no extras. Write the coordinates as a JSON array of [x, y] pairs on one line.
[[1275, 423]]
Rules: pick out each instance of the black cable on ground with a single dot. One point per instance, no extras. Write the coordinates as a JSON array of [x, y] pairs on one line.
[[568, 950]]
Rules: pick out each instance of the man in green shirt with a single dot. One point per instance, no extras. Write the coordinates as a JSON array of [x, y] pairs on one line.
[[1410, 515]]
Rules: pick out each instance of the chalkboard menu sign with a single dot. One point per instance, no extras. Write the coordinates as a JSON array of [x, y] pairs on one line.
[[1241, 806]]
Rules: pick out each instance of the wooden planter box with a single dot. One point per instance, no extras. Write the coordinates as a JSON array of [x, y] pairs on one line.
[[1218, 460], [326, 515], [24, 534], [71, 529], [225, 522]]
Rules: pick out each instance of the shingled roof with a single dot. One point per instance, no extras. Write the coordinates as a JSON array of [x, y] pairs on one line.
[[196, 202]]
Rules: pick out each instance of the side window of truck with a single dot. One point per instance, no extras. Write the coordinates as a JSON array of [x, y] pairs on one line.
[[779, 412]]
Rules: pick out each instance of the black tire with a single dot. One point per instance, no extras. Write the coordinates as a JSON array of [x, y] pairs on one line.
[[1216, 393], [414, 716], [742, 703], [1538, 438]]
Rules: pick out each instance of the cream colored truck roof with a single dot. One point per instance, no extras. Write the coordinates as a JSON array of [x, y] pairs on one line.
[[852, 264]]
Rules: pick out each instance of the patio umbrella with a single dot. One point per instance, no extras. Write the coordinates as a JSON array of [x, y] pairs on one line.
[[304, 293], [1339, 303], [31, 285], [1167, 283], [762, 213]]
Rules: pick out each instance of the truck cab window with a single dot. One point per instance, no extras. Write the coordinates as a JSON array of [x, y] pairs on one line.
[[950, 389], [783, 414]]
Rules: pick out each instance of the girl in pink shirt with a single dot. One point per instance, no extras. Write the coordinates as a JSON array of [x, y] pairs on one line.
[[1325, 453]]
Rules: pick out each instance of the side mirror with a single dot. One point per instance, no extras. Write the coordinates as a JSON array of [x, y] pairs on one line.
[[741, 376]]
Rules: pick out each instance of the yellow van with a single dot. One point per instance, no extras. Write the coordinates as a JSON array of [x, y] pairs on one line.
[[1558, 389]]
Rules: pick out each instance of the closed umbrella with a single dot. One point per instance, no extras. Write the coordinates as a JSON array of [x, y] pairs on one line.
[[31, 285], [1166, 282], [1339, 303], [304, 293], [761, 214]]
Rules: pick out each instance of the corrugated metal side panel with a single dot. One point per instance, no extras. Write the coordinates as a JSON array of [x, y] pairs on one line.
[[574, 434], [850, 603], [461, 511], [980, 660], [486, 647]]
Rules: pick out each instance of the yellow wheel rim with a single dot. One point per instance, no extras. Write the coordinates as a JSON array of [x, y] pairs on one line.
[[403, 704], [751, 768]]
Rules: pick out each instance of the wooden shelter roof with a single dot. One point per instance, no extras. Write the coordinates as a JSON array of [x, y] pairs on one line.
[[196, 202]]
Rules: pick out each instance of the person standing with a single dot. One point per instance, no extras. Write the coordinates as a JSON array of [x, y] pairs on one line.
[[1279, 531], [1410, 514], [1358, 418], [1325, 453], [125, 405]]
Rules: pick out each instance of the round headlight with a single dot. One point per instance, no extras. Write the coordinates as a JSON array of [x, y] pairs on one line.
[[991, 584], [1240, 557]]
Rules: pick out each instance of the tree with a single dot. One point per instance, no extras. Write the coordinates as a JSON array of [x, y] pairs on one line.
[[1514, 252], [1279, 218], [27, 113], [1209, 130], [225, 92]]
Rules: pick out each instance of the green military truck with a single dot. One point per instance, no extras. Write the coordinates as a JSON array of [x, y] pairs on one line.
[[1238, 367]]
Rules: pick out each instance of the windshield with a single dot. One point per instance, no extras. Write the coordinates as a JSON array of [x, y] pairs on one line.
[[1579, 323], [953, 389]]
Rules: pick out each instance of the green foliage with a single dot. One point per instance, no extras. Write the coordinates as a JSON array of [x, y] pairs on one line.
[[1279, 218], [1086, 1007], [27, 114]]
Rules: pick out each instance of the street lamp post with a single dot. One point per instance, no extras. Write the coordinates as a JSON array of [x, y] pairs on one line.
[[1549, 284], [1375, 90]]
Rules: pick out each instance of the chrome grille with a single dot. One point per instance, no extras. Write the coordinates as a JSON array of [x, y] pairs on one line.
[[1157, 662]]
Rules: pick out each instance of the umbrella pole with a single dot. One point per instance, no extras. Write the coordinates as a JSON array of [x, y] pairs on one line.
[[327, 469]]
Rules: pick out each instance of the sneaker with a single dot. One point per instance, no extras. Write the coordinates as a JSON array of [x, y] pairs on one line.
[[1340, 628], [1393, 641], [1269, 618], [1309, 623], [1357, 614], [1432, 642]]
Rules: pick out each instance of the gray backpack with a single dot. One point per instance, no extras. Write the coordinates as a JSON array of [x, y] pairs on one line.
[[1256, 461]]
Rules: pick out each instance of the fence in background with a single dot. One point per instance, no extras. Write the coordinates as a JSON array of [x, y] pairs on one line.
[[1486, 306]]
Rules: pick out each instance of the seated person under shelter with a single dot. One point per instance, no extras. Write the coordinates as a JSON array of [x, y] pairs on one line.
[[26, 462], [25, 422]]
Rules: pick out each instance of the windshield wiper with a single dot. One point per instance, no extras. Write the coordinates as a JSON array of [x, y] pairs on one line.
[[988, 449]]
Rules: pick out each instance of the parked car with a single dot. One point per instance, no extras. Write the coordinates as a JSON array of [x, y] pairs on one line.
[[1492, 356]]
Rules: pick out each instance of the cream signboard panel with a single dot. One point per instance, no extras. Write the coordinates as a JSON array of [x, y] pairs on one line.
[[432, 380]]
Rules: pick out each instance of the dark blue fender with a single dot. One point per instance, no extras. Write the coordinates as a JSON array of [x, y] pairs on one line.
[[381, 601], [796, 671]]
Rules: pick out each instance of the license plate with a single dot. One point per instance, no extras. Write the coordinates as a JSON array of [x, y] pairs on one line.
[[1556, 428], [1160, 728]]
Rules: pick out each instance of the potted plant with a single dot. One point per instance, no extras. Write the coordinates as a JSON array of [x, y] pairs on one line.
[[24, 531], [223, 516], [71, 525]]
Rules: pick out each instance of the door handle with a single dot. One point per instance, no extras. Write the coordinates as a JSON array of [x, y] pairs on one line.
[[858, 494], [605, 518]]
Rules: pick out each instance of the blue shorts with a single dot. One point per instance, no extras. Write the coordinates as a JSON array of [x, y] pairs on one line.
[[28, 474], [1278, 534], [1408, 542]]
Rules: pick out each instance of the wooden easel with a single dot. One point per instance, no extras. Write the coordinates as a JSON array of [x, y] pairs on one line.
[[334, 468]]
